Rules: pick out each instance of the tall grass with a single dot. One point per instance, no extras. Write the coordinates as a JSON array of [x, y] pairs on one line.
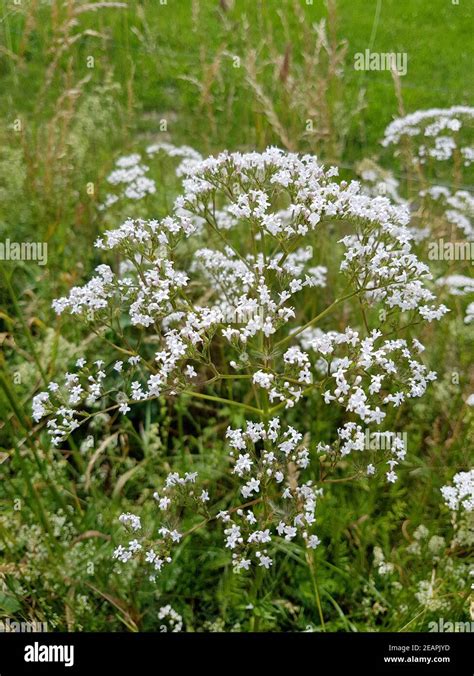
[[220, 74]]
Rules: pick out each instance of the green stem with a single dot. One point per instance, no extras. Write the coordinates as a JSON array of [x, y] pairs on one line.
[[314, 580], [221, 400], [322, 314]]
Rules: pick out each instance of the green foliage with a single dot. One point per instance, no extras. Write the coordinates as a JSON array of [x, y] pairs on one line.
[[59, 508]]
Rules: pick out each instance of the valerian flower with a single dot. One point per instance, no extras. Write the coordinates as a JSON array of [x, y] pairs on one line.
[[189, 297], [238, 286], [435, 132], [460, 495]]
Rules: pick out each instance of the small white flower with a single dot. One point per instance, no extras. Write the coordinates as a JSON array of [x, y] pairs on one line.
[[124, 408]]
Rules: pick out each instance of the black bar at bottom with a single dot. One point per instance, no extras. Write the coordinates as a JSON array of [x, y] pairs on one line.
[[120, 653]]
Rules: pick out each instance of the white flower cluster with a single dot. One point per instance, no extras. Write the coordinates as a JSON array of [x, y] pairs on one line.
[[461, 493], [252, 292], [458, 207], [84, 388], [233, 288], [133, 523], [457, 285], [429, 597], [436, 131], [131, 520], [129, 175], [469, 318], [396, 276], [434, 147], [174, 621], [351, 437], [93, 296], [250, 297], [361, 369], [156, 553], [189, 156], [377, 182], [268, 462], [383, 567]]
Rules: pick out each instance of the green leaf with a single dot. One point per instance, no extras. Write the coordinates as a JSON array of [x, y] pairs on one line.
[[9, 604]]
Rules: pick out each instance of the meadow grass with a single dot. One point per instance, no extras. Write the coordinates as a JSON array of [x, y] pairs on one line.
[[176, 62]]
